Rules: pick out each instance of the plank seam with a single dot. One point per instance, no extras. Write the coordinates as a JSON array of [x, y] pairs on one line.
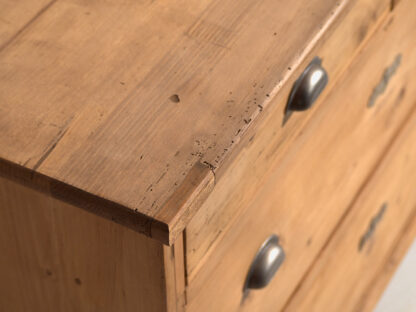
[[27, 25]]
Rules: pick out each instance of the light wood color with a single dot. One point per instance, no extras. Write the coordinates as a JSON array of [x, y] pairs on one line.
[[266, 142], [311, 187], [56, 257], [113, 106], [366, 237], [17, 16], [376, 287]]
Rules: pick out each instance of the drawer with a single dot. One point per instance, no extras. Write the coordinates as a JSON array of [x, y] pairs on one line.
[[357, 254], [311, 186], [266, 141]]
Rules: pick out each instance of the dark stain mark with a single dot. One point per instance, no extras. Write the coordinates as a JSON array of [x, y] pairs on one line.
[[77, 281], [177, 153], [212, 167], [141, 157], [175, 98], [309, 241], [382, 85], [260, 107], [372, 227], [247, 121], [48, 272], [122, 83]]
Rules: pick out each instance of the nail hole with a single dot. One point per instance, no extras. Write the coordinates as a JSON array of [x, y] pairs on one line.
[[175, 98]]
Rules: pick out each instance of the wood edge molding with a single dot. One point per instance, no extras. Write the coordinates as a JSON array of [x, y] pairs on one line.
[[171, 219], [277, 96], [165, 226], [179, 209], [174, 266]]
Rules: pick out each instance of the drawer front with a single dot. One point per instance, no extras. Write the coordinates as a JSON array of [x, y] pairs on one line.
[[310, 188], [372, 229], [267, 141]]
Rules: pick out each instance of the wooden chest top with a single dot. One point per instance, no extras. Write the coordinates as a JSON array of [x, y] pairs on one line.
[[128, 108]]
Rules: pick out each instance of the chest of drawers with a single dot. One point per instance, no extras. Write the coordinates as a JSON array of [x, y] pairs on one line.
[[205, 155]]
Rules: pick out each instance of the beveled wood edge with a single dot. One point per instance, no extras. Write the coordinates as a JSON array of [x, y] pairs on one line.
[[177, 211], [171, 219], [165, 227]]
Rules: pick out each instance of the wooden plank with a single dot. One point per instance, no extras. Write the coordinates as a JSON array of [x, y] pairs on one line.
[[122, 100], [265, 144], [366, 237], [56, 257], [175, 276], [17, 16], [310, 188]]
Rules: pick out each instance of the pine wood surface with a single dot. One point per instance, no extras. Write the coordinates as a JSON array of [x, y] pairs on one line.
[[56, 257], [367, 236], [111, 106], [312, 187], [16, 16], [265, 144]]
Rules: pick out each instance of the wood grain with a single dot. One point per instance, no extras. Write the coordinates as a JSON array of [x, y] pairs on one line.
[[86, 91], [17, 16], [364, 240], [370, 297], [56, 257], [248, 167], [310, 188]]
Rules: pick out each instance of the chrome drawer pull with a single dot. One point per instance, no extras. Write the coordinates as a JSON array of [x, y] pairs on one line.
[[265, 265], [308, 87]]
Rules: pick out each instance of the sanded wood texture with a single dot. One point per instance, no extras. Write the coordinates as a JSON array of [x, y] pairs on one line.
[[56, 257], [247, 168], [367, 237], [311, 188], [17, 16], [120, 100]]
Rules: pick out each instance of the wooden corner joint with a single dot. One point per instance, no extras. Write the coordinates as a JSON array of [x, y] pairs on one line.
[[183, 204]]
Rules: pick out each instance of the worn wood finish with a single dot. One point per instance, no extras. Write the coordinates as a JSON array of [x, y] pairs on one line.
[[175, 273], [266, 143], [311, 186], [370, 297], [16, 16], [366, 237], [122, 100], [56, 257]]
